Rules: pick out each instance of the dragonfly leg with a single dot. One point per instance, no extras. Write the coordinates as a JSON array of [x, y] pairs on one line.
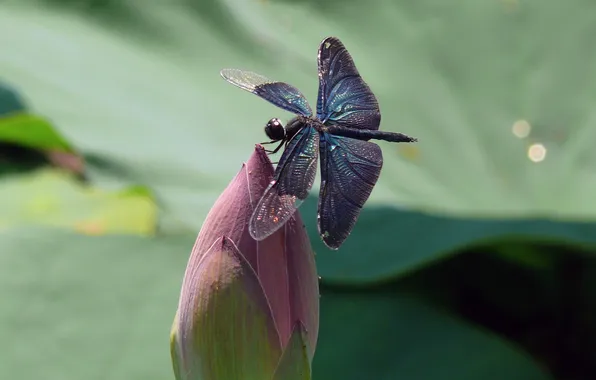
[[265, 143], [276, 149]]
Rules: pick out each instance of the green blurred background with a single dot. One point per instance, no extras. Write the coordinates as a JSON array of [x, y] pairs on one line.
[[473, 259]]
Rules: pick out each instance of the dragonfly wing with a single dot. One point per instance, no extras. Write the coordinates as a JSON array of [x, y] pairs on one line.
[[281, 94], [349, 170], [293, 178], [344, 98]]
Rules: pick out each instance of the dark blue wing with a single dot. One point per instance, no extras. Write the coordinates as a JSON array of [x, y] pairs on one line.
[[344, 98], [281, 94], [349, 170], [293, 178]]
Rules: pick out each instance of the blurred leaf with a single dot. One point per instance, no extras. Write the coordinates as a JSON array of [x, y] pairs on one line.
[[397, 336], [80, 307], [502, 139], [586, 320], [69, 161], [528, 255], [31, 131], [22, 135], [543, 308], [55, 198], [10, 101], [17, 159], [405, 241]]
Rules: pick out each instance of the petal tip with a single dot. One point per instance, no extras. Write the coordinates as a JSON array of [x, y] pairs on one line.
[[295, 363], [261, 154], [224, 244], [260, 163]]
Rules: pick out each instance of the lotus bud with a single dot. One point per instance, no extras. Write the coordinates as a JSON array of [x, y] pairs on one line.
[[248, 310]]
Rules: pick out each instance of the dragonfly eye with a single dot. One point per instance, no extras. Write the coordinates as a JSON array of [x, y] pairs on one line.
[[275, 129]]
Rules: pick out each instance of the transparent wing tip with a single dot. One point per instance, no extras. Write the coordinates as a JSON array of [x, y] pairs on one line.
[[259, 233], [228, 73], [246, 80], [256, 235]]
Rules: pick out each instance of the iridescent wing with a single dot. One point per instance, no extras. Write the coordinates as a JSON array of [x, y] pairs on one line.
[[281, 94], [344, 98], [349, 170], [292, 180]]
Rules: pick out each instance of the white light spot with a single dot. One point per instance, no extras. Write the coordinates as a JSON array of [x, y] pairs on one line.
[[521, 129], [536, 152]]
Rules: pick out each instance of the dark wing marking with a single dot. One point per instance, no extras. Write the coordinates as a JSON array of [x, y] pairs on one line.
[[344, 98], [281, 94], [349, 170], [293, 178]]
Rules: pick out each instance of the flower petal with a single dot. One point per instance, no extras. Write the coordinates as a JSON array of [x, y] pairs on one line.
[[303, 281], [231, 212], [295, 363], [225, 327], [287, 271], [175, 348]]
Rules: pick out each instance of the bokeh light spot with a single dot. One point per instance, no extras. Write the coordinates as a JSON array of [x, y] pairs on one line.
[[521, 129], [536, 152]]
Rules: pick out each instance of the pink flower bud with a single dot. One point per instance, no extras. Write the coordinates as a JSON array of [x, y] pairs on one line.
[[247, 309]]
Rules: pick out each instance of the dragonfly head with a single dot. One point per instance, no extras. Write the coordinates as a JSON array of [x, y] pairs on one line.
[[275, 129]]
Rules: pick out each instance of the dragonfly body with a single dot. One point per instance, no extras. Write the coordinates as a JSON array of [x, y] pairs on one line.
[[347, 118], [284, 134]]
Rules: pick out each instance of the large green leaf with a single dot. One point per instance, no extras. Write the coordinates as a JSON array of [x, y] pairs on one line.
[[138, 90], [80, 307], [425, 238], [77, 307], [395, 335]]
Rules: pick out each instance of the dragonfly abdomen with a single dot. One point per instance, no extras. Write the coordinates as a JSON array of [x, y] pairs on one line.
[[367, 134]]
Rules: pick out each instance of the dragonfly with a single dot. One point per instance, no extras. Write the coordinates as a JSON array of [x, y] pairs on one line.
[[347, 117]]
